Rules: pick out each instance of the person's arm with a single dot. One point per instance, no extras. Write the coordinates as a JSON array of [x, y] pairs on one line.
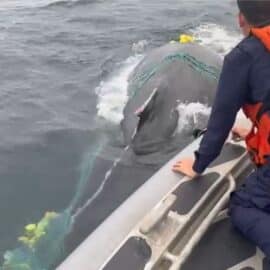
[[231, 95]]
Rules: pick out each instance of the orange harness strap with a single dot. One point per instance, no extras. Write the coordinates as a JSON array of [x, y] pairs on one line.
[[258, 140]]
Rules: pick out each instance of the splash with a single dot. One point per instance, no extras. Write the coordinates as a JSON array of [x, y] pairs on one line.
[[216, 37], [192, 116], [113, 93], [139, 47]]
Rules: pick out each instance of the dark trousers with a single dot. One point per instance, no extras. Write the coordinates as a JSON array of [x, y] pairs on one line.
[[250, 208]]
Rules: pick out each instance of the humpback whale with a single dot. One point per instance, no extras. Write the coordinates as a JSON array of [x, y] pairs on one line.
[[168, 76]]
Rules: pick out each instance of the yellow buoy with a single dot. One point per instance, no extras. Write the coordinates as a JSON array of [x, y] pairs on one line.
[[30, 228], [183, 39]]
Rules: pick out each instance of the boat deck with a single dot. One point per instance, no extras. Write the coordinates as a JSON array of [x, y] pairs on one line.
[[190, 228]]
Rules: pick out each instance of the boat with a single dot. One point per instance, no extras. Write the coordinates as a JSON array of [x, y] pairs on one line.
[[173, 223]]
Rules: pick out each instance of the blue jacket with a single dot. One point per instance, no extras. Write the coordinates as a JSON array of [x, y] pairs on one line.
[[245, 78]]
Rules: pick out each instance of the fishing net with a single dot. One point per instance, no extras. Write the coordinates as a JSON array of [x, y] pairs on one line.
[[141, 78], [42, 243]]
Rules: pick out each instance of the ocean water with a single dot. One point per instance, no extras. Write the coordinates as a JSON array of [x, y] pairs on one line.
[[64, 67]]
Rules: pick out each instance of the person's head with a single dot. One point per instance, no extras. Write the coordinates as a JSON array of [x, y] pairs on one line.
[[253, 13]]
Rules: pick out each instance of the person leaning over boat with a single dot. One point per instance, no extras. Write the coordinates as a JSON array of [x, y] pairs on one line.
[[244, 83]]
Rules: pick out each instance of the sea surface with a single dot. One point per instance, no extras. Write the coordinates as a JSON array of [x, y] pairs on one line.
[[64, 67]]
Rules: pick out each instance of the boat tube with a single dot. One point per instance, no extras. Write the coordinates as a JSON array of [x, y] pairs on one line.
[[173, 223]]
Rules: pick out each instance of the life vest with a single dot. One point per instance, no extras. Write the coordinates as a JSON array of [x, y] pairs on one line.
[[258, 140], [263, 34]]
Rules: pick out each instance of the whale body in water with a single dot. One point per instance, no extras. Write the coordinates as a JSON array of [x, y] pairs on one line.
[[172, 75]]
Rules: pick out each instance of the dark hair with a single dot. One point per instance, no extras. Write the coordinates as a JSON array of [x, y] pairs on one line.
[[257, 12]]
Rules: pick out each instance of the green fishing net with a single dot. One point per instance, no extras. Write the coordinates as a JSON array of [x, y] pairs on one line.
[[141, 78], [42, 243]]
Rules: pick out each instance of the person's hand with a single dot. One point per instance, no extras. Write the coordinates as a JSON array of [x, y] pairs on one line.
[[185, 166], [240, 132]]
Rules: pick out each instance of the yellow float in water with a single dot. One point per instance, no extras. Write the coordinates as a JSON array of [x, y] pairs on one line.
[[34, 232], [183, 39]]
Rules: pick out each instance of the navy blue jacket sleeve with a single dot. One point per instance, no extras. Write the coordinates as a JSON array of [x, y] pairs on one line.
[[230, 97]]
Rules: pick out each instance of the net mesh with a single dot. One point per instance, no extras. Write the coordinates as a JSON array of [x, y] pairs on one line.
[[42, 243], [141, 78]]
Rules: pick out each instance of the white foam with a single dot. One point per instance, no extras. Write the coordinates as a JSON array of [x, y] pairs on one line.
[[113, 93], [192, 116], [216, 37], [139, 47]]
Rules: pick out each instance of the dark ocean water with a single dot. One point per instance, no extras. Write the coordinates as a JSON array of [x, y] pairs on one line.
[[53, 56]]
